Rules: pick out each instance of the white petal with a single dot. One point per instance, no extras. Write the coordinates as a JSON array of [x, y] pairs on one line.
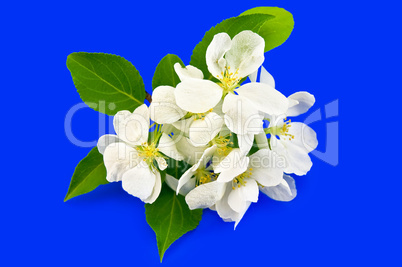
[[197, 96], [184, 125], [241, 117], [163, 108], [185, 178], [205, 195], [253, 76], [231, 166], [261, 140], [219, 45], [239, 196], [171, 182], [245, 142], [292, 103], [265, 98], [161, 163], [167, 146], [250, 190], [139, 181], [143, 111], [246, 53], [186, 188], [304, 136], [169, 129], [298, 160], [207, 155], [236, 200], [106, 140], [187, 72], [200, 164], [266, 77], [241, 214], [190, 153], [223, 208], [285, 191], [305, 102], [264, 167], [226, 212], [132, 128], [202, 131], [118, 158], [156, 191]]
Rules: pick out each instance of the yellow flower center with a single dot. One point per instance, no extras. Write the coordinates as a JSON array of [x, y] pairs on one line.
[[204, 176], [198, 116], [223, 145], [229, 80], [240, 179], [282, 131], [148, 153]]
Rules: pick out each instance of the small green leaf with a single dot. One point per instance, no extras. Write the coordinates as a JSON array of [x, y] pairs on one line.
[[170, 218], [232, 27], [277, 30], [89, 174], [107, 83], [164, 72]]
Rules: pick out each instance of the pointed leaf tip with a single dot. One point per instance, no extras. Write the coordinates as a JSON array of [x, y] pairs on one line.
[[170, 218], [88, 175]]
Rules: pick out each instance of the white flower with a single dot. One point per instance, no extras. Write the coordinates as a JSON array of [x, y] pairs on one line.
[[236, 185], [229, 61], [200, 172], [200, 125], [292, 140], [129, 158], [232, 60]]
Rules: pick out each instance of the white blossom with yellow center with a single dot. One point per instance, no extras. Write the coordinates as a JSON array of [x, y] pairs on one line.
[[229, 61], [129, 158], [199, 173], [236, 185], [291, 140]]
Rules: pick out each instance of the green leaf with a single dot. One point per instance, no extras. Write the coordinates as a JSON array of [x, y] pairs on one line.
[[107, 83], [277, 30], [89, 174], [170, 218], [164, 72], [176, 168], [232, 27]]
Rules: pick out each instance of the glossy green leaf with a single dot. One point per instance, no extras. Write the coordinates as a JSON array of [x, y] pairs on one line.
[[164, 72], [277, 30], [170, 218], [176, 168], [105, 82], [232, 27], [89, 174]]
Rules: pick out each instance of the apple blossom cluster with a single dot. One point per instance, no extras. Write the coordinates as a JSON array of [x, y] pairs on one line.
[[235, 137]]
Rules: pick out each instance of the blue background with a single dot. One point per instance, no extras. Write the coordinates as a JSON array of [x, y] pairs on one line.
[[348, 215]]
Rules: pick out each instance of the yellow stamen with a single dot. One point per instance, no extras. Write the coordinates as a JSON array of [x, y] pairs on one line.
[[240, 179], [229, 80]]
